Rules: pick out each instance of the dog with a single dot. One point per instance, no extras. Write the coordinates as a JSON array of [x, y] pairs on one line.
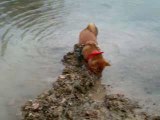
[[91, 52]]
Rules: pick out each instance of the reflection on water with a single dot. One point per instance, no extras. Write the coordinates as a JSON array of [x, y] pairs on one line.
[[34, 35]]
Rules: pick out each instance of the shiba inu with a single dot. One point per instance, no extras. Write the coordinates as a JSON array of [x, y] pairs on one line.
[[91, 52]]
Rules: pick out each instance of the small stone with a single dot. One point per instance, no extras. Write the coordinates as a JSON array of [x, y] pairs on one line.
[[69, 115], [62, 76], [60, 109], [70, 103], [35, 106], [90, 95], [30, 114], [63, 100]]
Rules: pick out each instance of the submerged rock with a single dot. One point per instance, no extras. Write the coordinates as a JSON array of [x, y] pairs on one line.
[[78, 95]]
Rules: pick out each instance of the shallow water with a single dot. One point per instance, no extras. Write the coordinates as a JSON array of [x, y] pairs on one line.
[[34, 35]]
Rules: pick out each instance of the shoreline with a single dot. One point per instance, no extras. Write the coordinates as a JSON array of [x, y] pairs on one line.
[[77, 95]]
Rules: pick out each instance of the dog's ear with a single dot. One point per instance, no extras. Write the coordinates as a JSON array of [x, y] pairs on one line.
[[107, 63]]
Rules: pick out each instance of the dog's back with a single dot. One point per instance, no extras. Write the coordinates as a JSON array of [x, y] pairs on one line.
[[91, 52]]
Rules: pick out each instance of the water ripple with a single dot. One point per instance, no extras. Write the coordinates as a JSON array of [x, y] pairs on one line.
[[34, 20], [35, 33]]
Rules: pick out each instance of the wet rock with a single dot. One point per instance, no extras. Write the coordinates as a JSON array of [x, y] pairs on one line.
[[91, 114], [69, 115], [35, 106], [156, 118]]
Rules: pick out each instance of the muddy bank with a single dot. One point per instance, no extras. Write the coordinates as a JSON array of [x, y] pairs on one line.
[[77, 95]]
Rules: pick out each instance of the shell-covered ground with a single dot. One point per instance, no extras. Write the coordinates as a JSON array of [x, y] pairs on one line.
[[78, 95]]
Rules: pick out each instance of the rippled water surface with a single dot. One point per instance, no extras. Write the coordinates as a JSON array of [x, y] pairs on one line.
[[35, 34]]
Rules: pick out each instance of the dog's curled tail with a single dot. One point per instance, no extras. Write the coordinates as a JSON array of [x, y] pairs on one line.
[[92, 28]]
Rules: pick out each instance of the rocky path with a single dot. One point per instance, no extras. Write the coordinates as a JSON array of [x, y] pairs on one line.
[[77, 95]]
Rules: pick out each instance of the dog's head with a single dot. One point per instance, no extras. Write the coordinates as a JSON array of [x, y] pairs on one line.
[[92, 28], [97, 66]]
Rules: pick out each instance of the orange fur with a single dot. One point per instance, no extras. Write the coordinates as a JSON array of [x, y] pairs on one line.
[[88, 37]]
